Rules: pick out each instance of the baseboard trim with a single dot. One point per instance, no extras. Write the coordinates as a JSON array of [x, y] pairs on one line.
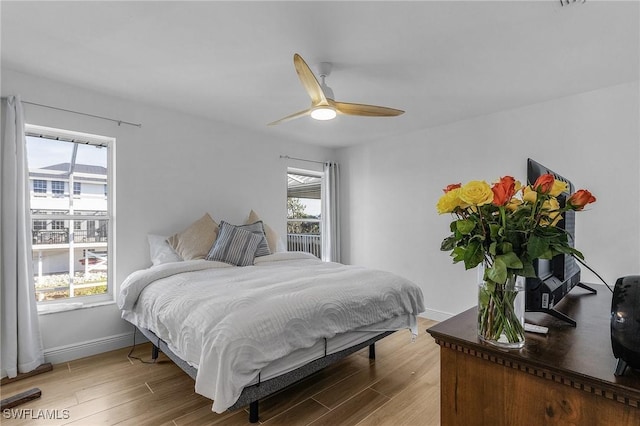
[[78, 350], [436, 315]]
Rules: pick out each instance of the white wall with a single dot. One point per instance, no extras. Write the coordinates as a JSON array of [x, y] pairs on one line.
[[176, 167], [390, 187], [169, 173]]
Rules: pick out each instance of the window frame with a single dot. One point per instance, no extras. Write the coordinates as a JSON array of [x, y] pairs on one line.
[[313, 174], [109, 143]]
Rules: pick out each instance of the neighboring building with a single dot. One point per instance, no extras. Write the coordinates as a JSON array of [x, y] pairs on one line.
[[68, 246]]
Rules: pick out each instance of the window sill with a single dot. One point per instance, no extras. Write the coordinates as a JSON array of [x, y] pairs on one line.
[[54, 308]]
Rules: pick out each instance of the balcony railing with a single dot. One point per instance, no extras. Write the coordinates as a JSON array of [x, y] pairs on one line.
[[61, 236], [309, 243]]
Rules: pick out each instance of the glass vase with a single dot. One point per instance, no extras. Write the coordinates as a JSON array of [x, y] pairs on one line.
[[501, 311]]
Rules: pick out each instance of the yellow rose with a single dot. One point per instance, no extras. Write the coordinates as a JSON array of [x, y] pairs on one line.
[[476, 193], [551, 208], [514, 204], [449, 201], [529, 195], [558, 187]]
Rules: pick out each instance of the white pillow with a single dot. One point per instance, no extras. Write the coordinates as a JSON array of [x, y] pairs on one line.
[[280, 246], [160, 251]]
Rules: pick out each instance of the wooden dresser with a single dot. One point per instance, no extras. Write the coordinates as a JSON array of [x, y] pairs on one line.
[[562, 378]]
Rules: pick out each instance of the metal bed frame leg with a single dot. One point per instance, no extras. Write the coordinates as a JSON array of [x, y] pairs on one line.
[[154, 352], [372, 351], [253, 412]]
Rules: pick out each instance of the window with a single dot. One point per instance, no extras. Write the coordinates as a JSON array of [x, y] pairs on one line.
[[71, 235], [40, 186], [58, 224], [303, 211], [57, 187]]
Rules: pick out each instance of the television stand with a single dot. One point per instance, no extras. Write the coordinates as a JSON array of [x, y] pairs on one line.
[[558, 314], [564, 317], [586, 287]]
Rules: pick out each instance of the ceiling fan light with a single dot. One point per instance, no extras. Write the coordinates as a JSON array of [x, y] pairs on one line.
[[323, 113]]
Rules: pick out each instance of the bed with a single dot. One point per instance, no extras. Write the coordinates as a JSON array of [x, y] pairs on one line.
[[245, 332]]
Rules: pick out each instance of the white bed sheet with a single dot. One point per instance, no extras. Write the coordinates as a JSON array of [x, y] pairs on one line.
[[245, 321]]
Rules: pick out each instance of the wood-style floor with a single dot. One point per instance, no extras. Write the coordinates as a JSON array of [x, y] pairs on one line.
[[401, 387]]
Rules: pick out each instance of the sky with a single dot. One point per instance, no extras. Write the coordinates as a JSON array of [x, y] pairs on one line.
[[312, 206], [43, 152]]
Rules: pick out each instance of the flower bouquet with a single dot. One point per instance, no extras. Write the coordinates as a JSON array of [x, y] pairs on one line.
[[504, 228]]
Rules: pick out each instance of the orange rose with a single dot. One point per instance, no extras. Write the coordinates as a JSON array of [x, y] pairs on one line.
[[544, 183], [580, 199], [503, 190], [452, 187]]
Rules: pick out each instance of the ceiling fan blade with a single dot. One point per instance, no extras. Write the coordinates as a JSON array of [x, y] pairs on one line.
[[366, 110], [291, 117], [309, 81]]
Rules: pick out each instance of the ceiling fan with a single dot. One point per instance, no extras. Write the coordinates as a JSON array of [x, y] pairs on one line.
[[323, 104]]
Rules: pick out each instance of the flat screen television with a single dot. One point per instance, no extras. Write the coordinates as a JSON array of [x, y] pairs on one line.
[[555, 277]]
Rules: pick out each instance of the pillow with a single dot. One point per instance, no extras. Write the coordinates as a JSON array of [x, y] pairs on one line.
[[195, 241], [280, 246], [258, 229], [235, 245], [272, 236], [160, 251]]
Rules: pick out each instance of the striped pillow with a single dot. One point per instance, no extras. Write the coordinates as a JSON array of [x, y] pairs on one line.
[[234, 245], [258, 229]]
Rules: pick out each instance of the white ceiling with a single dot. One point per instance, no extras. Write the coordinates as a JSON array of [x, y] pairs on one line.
[[440, 61]]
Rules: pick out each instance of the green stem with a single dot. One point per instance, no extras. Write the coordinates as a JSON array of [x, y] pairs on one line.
[[498, 316]]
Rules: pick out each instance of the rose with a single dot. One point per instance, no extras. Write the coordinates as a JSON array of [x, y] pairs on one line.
[[514, 204], [451, 187], [551, 210], [450, 201], [544, 184], [580, 199], [529, 195], [558, 188], [503, 190], [476, 193]]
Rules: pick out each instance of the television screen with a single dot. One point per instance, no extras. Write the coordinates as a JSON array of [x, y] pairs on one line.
[[555, 277]]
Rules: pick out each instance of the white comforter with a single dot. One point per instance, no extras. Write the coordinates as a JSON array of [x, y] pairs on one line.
[[233, 321]]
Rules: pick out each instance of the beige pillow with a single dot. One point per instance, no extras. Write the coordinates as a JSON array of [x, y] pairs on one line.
[[272, 236], [195, 241]]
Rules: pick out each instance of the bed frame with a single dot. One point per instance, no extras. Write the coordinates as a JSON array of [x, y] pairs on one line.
[[251, 394]]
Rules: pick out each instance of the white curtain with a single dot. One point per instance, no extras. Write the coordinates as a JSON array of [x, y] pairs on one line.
[[330, 214], [21, 343]]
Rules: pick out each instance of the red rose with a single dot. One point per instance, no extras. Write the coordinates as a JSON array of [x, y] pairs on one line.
[[503, 190], [544, 184], [580, 199], [451, 187]]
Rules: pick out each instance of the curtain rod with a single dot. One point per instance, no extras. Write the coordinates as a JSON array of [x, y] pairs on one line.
[[84, 113], [301, 159]]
